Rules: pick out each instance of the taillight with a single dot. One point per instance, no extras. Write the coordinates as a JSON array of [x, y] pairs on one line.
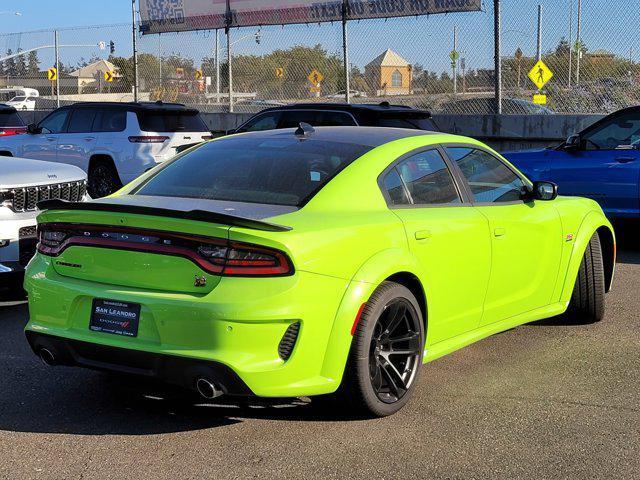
[[148, 139], [217, 256], [8, 131]]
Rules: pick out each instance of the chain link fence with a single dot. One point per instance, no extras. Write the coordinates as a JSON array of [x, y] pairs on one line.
[[443, 63]]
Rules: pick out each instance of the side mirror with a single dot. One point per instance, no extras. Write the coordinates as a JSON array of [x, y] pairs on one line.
[[33, 129], [573, 142], [544, 191]]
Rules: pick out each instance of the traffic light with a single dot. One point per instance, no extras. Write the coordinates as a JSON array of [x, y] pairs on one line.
[[112, 47]]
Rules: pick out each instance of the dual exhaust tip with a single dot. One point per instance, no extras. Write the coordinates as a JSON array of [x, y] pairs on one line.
[[206, 388]]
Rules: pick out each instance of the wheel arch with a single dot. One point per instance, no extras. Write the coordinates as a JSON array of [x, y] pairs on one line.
[[593, 222], [396, 264], [5, 153], [97, 158]]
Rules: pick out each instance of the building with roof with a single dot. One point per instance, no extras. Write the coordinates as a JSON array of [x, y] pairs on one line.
[[389, 74], [91, 77]]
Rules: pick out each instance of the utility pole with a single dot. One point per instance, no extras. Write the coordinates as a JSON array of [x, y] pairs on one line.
[[539, 49], [160, 59], [497, 58], [345, 52], [454, 60], [570, 39], [135, 50], [579, 42], [217, 66], [57, 54]]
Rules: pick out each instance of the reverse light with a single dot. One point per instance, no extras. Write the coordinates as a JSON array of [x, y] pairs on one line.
[[148, 139], [213, 255]]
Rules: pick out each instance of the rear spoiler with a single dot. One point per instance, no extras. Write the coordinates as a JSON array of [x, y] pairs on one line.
[[200, 215]]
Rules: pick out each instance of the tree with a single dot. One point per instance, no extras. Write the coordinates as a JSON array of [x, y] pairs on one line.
[[10, 65], [21, 66], [33, 64]]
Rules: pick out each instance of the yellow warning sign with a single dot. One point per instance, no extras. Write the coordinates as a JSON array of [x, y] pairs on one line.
[[199, 75], [279, 72], [540, 99], [315, 77], [52, 74], [540, 74], [108, 76]]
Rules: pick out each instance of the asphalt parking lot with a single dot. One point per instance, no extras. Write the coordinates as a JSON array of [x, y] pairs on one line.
[[545, 400]]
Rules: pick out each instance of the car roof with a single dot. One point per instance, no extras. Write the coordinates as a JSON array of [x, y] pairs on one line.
[[367, 136], [350, 107], [137, 106]]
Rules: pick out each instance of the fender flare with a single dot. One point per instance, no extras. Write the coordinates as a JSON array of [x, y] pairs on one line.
[[591, 223], [372, 273]]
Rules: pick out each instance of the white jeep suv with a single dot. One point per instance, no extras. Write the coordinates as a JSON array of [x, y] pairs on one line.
[[113, 142], [24, 183]]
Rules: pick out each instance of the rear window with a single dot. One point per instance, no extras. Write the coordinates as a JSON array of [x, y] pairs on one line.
[[10, 119], [273, 170], [401, 121], [171, 122]]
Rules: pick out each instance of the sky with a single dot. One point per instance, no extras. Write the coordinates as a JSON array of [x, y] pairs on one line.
[[608, 24]]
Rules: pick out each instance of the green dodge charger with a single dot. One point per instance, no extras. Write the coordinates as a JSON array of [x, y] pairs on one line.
[[306, 262]]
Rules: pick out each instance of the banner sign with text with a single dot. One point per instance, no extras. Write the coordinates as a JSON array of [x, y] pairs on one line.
[[159, 16]]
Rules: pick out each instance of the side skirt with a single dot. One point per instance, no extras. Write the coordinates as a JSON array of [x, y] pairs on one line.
[[456, 343]]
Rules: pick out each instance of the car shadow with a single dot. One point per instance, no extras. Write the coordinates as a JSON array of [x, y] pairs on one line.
[[40, 399]]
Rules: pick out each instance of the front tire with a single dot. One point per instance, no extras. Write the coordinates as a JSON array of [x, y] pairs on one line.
[[386, 353], [587, 299], [103, 180]]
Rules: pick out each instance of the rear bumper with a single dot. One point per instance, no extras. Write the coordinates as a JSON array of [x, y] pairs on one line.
[[169, 368], [239, 325]]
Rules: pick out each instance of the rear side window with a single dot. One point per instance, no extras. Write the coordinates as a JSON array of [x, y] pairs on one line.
[[169, 122], [11, 119], [428, 179], [110, 120], [273, 170], [490, 180], [316, 118], [415, 123], [81, 120], [395, 188]]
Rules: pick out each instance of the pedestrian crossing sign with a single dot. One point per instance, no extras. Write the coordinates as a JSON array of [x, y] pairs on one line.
[[540, 74]]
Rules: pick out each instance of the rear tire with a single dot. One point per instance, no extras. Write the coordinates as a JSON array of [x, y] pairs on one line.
[[587, 300], [386, 353], [103, 179]]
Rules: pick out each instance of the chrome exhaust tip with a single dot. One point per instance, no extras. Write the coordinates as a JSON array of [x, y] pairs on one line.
[[207, 389], [47, 357]]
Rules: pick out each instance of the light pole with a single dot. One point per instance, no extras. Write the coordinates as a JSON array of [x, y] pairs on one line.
[[257, 35]]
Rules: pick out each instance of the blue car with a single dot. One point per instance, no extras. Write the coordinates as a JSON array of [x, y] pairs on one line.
[[601, 162]]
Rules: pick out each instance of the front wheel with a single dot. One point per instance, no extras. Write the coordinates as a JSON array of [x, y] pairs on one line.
[[386, 352], [587, 299]]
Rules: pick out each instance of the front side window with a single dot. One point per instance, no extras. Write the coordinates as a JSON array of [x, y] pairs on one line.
[[54, 122], [490, 180], [623, 130], [428, 179], [266, 121], [255, 169]]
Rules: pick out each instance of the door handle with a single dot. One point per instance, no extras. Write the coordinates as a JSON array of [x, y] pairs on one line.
[[88, 139], [499, 232], [625, 159], [51, 139], [422, 234]]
